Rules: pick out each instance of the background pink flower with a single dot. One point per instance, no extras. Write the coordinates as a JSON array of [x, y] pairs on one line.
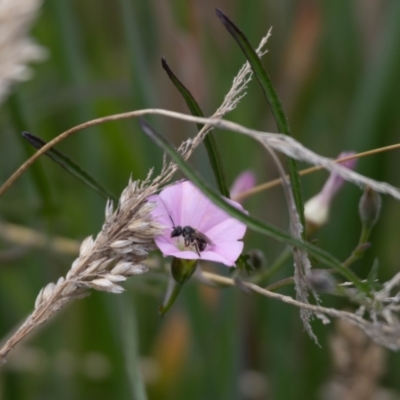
[[188, 206], [243, 182], [316, 209]]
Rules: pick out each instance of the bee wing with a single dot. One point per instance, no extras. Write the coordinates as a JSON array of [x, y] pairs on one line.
[[202, 236]]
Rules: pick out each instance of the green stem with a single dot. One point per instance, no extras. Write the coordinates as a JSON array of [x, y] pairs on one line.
[[274, 268], [172, 294], [359, 251], [280, 284]]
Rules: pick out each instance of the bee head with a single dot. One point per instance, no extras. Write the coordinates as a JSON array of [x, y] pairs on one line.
[[176, 231]]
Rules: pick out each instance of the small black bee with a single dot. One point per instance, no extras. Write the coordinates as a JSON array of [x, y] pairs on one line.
[[191, 236]]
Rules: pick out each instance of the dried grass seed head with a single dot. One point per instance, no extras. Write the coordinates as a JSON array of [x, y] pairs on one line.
[[16, 48]]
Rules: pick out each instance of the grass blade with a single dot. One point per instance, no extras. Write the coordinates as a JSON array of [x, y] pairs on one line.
[[20, 120], [69, 165], [273, 99], [209, 141], [251, 222]]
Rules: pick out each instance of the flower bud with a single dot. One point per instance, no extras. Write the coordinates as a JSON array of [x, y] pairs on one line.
[[257, 259], [316, 210], [369, 207], [321, 281]]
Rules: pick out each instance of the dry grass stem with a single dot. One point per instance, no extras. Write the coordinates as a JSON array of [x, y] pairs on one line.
[[302, 264], [277, 182], [281, 143], [16, 48], [383, 332]]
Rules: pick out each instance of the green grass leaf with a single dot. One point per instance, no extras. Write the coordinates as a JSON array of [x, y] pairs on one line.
[[21, 121], [253, 223], [70, 166], [273, 99], [209, 141]]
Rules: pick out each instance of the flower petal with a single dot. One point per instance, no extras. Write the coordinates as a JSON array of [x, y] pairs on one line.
[[225, 252], [188, 206], [160, 214], [244, 181], [229, 229], [166, 246]]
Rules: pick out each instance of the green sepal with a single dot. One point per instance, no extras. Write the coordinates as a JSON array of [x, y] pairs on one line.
[[182, 270]]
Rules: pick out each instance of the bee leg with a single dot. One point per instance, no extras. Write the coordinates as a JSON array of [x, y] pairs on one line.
[[197, 248]]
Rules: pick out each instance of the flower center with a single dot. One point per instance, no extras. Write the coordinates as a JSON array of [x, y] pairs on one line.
[[180, 244]]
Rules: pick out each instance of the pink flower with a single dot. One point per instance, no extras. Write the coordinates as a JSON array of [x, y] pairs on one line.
[[183, 205], [316, 210], [244, 182]]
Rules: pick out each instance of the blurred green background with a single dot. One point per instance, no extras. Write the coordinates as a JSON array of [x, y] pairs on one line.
[[335, 65]]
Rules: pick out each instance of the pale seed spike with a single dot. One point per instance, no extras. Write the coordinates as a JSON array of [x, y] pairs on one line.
[[105, 285], [136, 239], [69, 289], [139, 250], [149, 174], [100, 283], [121, 268], [60, 281], [86, 246], [75, 265], [115, 278], [138, 225], [146, 209], [105, 264], [136, 270], [94, 265], [123, 250], [158, 227], [120, 244], [48, 291], [109, 210], [124, 196], [39, 298], [117, 289]]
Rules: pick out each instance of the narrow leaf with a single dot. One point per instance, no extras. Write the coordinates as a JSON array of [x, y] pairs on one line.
[[69, 165], [209, 141], [21, 121], [253, 223], [273, 99]]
